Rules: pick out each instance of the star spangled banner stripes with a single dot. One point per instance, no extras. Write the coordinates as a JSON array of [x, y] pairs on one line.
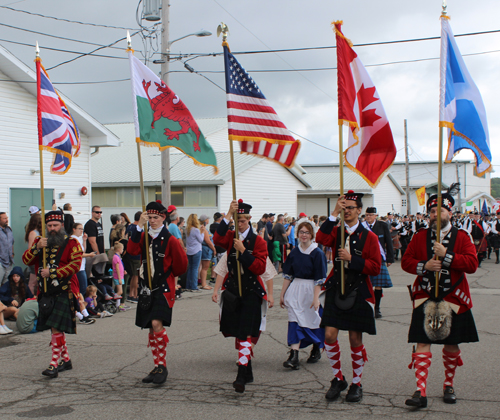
[[252, 121], [57, 132]]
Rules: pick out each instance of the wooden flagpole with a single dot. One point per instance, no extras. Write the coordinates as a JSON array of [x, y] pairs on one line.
[[40, 155], [143, 197], [224, 30], [342, 228]]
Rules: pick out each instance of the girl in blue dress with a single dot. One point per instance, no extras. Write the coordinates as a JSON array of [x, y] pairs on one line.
[[304, 272]]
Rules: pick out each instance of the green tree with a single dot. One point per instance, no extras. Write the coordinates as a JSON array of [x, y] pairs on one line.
[[495, 187]]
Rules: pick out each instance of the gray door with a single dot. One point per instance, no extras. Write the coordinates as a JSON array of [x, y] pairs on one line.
[[21, 199]]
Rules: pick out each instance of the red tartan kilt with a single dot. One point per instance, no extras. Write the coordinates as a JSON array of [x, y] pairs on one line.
[[482, 246], [395, 242]]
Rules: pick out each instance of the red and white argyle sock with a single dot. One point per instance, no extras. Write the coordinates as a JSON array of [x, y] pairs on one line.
[[245, 352], [153, 347], [64, 348], [358, 357], [333, 354], [56, 344], [161, 346], [421, 362], [450, 361]]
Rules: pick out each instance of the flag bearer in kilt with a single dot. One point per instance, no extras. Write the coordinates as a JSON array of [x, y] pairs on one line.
[[446, 319], [57, 304], [241, 316], [381, 229], [474, 227], [167, 261], [353, 311]]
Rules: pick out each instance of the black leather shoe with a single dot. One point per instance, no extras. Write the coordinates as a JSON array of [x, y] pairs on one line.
[[293, 360], [417, 400], [149, 379], [239, 383], [449, 396], [160, 375], [249, 373], [315, 354], [378, 314], [336, 388], [51, 372], [62, 366], [355, 393]]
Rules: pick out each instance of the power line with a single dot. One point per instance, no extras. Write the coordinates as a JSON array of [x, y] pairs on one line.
[[68, 83], [65, 20]]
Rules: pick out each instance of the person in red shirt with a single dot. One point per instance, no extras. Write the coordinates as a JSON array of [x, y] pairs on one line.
[[168, 261], [446, 319], [57, 286]]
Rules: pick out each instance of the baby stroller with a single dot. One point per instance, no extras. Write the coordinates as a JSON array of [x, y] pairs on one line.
[[95, 269]]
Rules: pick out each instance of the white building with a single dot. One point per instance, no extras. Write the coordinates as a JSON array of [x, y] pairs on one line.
[[19, 171]]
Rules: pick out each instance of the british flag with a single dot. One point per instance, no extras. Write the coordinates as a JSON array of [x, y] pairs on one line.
[[57, 131], [251, 119]]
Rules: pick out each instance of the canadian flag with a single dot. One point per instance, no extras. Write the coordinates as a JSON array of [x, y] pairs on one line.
[[371, 149]]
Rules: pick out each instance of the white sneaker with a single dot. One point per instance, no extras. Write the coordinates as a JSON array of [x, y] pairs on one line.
[[9, 331], [107, 314], [2, 330]]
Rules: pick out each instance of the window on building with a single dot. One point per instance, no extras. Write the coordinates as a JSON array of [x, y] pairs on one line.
[[204, 196], [176, 196]]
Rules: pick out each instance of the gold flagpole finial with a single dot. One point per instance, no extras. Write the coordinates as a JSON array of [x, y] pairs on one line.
[[224, 30], [129, 41], [37, 49]]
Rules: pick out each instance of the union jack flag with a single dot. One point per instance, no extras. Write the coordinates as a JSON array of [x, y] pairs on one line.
[[252, 121], [57, 131]]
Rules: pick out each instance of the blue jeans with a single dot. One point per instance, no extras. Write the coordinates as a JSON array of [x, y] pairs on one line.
[[82, 279], [192, 273]]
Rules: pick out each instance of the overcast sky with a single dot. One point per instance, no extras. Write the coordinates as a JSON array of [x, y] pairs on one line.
[[306, 100]]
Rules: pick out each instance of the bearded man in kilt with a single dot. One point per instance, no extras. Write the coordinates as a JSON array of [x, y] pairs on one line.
[[446, 319], [352, 311], [241, 315], [167, 261], [56, 285]]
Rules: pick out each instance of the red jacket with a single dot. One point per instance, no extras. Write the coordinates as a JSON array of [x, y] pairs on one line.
[[368, 263], [255, 262], [69, 265], [175, 258], [461, 260]]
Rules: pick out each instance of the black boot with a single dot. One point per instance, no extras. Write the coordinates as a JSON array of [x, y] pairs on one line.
[[315, 354], [62, 366], [378, 298], [498, 259], [239, 383], [336, 387], [489, 253], [249, 373], [148, 379], [449, 396], [417, 400], [293, 360], [160, 375], [51, 372]]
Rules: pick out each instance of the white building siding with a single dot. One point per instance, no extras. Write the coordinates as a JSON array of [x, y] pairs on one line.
[[387, 198], [267, 186], [19, 145]]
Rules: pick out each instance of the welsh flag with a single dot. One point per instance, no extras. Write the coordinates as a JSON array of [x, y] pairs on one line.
[[371, 149], [162, 120]]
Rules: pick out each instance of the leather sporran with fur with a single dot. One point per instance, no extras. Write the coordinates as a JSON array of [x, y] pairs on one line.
[[437, 320]]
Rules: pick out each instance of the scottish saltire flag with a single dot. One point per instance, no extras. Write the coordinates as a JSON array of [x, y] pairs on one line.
[[251, 119], [162, 120], [371, 149], [461, 108], [57, 131]]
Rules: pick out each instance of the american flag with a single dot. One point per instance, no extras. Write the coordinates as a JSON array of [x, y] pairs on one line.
[[252, 121], [57, 132]]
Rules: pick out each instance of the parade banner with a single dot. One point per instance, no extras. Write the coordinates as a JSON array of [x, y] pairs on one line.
[[57, 131], [371, 149], [162, 120], [251, 119], [461, 107], [421, 196]]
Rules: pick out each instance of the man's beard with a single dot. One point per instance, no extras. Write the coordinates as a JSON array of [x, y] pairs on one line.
[[444, 223], [56, 238]]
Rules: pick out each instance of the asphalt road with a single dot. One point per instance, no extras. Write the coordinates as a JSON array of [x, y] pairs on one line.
[[110, 358]]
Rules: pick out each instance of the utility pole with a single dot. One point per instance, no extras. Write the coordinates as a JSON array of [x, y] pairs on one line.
[[165, 55], [407, 167]]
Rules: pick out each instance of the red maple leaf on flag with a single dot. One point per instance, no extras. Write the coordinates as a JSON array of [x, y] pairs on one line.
[[365, 98]]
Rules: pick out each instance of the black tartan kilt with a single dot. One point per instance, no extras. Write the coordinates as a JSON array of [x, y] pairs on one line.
[[359, 318], [495, 241], [463, 328], [62, 317], [159, 310], [245, 321]]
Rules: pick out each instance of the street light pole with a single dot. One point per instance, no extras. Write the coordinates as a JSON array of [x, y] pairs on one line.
[[165, 55]]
